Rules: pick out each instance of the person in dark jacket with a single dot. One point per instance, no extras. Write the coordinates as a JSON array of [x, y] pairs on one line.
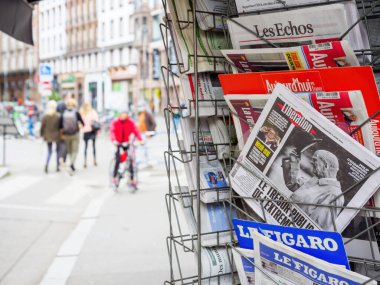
[[50, 132]]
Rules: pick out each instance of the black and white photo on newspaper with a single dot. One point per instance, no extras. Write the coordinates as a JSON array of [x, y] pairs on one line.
[[299, 169]]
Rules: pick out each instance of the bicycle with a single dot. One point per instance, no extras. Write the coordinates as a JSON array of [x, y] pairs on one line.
[[127, 156]]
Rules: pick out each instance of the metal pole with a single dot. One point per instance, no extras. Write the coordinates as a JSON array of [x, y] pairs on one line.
[[4, 144], [199, 246]]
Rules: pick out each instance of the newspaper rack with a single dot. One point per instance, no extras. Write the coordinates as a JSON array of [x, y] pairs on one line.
[[182, 241]]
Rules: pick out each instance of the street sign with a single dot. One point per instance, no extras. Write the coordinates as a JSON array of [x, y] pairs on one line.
[[45, 72]]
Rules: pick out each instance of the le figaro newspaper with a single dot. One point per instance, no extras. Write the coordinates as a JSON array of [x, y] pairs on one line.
[[276, 263], [299, 169]]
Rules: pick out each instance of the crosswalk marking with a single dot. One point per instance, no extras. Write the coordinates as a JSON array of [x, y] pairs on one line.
[[71, 194], [15, 185], [59, 271]]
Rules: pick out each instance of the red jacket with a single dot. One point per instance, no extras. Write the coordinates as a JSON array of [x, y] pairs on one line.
[[121, 130]]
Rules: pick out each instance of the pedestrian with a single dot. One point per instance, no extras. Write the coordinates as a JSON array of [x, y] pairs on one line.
[[90, 129], [69, 126], [61, 107], [50, 132], [146, 125]]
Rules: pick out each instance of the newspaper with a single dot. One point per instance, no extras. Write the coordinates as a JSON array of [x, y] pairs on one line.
[[214, 181], [276, 263], [322, 55], [317, 80], [246, 6], [210, 14], [216, 262], [215, 223], [346, 109], [210, 94], [300, 27], [245, 265], [209, 43], [295, 154]]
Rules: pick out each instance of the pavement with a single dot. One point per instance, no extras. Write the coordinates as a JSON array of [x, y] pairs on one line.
[[58, 229]]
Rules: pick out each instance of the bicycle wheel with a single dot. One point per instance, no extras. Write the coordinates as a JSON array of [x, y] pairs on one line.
[[114, 183]]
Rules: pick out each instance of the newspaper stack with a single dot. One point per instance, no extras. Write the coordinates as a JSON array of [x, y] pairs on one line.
[[209, 43], [323, 55], [300, 27], [296, 155]]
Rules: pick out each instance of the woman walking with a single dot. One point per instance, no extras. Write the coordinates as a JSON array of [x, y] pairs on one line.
[[90, 129], [50, 131]]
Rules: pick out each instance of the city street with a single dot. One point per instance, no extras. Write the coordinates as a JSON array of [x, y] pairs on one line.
[[61, 229]]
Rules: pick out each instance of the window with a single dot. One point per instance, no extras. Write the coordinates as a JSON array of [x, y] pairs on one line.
[[103, 32], [121, 28], [112, 29], [156, 35]]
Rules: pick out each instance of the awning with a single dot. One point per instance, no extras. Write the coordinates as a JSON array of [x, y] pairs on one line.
[[16, 20]]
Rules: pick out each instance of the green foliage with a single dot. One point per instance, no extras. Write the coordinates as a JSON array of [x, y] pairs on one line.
[[55, 96]]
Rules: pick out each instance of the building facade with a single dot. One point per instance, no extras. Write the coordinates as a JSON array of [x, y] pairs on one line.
[[106, 52]]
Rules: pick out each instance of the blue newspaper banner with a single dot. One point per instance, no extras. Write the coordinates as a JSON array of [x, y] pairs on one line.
[[324, 245]]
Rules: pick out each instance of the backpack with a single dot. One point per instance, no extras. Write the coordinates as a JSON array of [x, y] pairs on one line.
[[70, 122]]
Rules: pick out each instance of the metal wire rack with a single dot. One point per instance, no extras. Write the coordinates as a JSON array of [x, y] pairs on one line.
[[187, 240]]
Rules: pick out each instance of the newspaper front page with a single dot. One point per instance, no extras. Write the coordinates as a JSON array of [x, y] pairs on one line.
[[300, 27], [322, 55], [210, 14], [295, 154], [279, 264]]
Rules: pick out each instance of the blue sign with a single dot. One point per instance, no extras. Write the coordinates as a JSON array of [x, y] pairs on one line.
[[324, 245], [46, 70]]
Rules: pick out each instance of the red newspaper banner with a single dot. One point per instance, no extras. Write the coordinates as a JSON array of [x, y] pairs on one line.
[[318, 80]]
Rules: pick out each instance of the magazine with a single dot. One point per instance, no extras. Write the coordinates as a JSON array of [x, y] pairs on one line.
[[210, 94], [296, 155], [322, 55], [209, 43], [246, 6], [304, 26], [276, 263], [306, 81], [346, 109]]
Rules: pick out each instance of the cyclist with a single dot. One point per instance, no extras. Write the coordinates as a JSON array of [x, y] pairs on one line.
[[120, 132]]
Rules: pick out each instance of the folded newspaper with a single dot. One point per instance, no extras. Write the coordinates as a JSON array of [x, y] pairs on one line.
[[210, 94], [215, 224], [297, 156], [322, 55], [210, 14], [276, 263], [246, 6], [300, 27], [209, 43]]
